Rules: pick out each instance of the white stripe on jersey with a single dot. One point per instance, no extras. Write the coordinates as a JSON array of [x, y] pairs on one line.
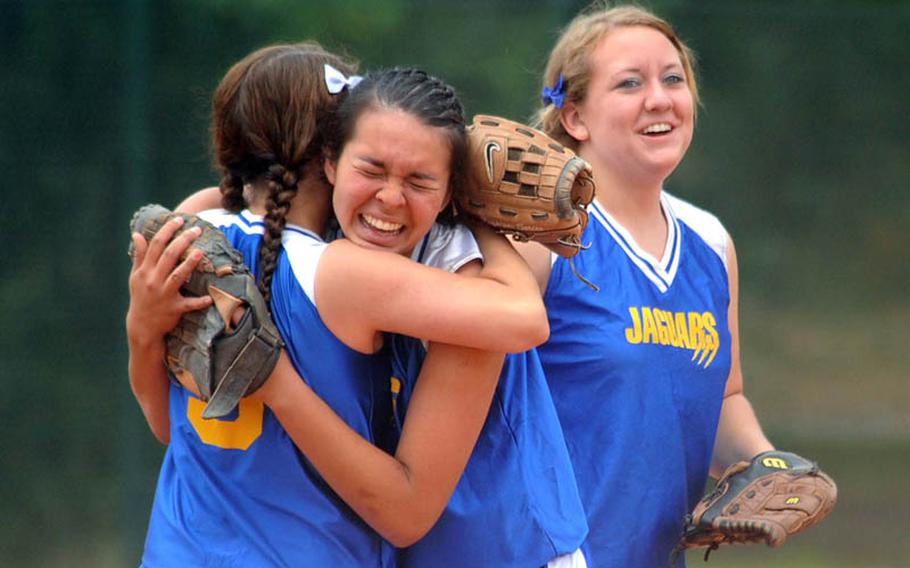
[[706, 225], [572, 560], [247, 222], [662, 272], [659, 272], [299, 243], [304, 249]]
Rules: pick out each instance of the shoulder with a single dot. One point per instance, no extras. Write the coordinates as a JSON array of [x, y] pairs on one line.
[[223, 219], [303, 250], [447, 247], [703, 223]]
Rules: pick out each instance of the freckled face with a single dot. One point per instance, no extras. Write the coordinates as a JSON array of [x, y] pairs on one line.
[[638, 116], [391, 180]]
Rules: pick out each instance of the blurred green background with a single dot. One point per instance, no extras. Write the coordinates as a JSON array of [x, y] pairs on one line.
[[801, 149]]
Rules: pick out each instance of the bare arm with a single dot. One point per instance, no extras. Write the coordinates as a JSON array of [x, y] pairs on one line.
[[202, 200], [539, 259], [739, 434], [361, 292], [156, 305], [401, 497]]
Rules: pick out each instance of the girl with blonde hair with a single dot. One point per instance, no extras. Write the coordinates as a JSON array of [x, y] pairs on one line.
[[645, 373]]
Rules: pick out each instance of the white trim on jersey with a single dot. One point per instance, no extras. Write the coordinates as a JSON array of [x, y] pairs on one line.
[[706, 225], [217, 217], [245, 221], [295, 239], [304, 249], [572, 560], [249, 223], [660, 272]]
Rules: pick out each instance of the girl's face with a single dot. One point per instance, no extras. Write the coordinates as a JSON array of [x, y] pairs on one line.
[[638, 116], [391, 180]]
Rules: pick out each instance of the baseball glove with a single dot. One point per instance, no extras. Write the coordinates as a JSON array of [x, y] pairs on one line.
[[524, 183], [768, 499], [225, 361]]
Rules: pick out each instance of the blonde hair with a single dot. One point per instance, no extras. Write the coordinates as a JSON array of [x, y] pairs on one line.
[[571, 58]]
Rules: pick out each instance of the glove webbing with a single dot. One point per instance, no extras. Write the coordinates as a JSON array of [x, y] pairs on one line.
[[262, 346]]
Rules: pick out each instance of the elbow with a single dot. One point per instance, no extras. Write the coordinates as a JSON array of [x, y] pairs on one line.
[[541, 327], [159, 424], [533, 328], [400, 519], [403, 540], [400, 526], [403, 537], [163, 435]]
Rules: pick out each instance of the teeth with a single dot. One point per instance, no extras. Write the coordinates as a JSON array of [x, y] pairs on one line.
[[659, 127], [380, 224]]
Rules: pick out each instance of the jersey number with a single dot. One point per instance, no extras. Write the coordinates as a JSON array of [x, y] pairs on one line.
[[235, 434]]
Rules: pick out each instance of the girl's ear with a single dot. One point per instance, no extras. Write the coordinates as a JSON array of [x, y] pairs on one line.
[[574, 123], [329, 165]]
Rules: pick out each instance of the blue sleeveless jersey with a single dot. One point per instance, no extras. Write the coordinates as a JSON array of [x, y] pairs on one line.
[[517, 503], [235, 492], [637, 372]]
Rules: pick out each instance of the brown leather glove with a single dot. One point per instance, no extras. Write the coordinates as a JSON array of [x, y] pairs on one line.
[[524, 183]]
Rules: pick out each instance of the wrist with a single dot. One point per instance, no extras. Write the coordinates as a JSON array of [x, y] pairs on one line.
[[273, 391], [147, 344]]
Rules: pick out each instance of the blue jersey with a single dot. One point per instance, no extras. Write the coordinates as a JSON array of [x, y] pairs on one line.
[[236, 492], [637, 373], [516, 503]]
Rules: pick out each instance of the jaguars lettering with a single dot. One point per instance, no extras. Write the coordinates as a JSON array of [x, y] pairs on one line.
[[696, 331]]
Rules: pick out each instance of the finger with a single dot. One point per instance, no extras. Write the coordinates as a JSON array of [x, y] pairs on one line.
[[192, 304], [183, 271], [139, 247], [176, 249], [162, 238]]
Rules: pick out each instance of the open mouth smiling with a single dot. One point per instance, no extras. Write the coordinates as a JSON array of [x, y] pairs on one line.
[[379, 225], [657, 129]]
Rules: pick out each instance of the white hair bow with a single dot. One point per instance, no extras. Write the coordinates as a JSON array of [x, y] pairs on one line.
[[335, 80]]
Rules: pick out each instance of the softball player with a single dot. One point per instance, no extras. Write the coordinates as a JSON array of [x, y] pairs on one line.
[[237, 492], [516, 503], [645, 374]]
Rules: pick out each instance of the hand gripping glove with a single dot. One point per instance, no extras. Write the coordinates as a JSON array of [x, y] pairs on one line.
[[767, 499], [225, 361], [524, 183]]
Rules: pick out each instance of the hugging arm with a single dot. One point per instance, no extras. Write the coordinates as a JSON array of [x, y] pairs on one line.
[[501, 310], [400, 496], [208, 198]]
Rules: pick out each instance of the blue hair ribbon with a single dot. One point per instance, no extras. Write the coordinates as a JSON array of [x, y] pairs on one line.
[[556, 94]]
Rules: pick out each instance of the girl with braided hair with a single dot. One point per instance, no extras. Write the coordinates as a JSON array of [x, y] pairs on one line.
[[393, 166], [399, 135]]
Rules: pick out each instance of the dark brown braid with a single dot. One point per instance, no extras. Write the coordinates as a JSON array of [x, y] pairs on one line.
[[268, 117], [282, 187], [232, 193]]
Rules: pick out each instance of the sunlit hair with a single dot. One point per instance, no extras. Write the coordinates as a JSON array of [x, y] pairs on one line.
[[269, 115], [571, 58], [429, 99]]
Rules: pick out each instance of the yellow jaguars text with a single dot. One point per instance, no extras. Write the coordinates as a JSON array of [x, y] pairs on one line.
[[685, 330]]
